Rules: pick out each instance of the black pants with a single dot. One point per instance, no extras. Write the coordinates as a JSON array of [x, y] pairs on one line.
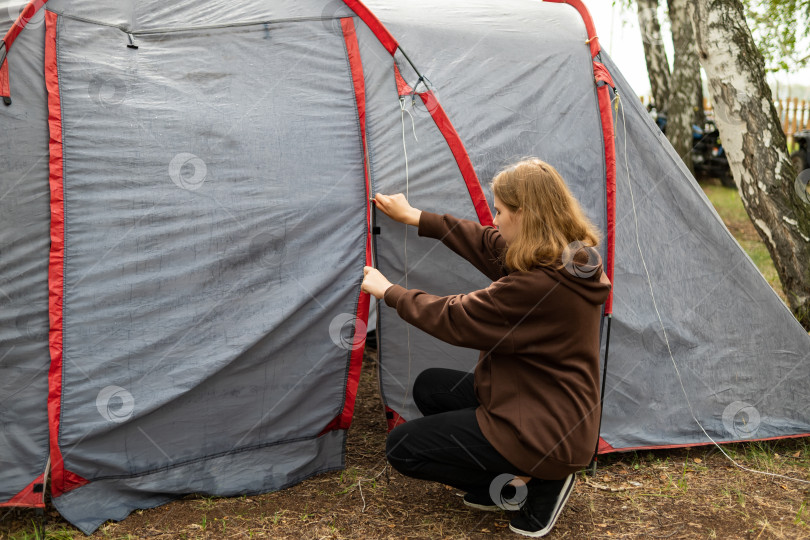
[[446, 445]]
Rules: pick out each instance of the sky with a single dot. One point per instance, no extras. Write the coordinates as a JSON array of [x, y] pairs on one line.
[[620, 36]]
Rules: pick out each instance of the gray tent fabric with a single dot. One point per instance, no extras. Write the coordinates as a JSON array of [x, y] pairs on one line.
[[216, 223], [24, 226], [704, 334]]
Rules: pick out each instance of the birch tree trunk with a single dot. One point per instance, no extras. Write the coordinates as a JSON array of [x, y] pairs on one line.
[[700, 110], [684, 83], [654, 53], [775, 198]]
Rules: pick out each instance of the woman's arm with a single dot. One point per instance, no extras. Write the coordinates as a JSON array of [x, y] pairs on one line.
[[467, 320], [480, 245]]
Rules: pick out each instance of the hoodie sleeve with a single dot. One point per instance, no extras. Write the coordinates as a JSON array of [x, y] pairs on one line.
[[470, 320], [481, 246]]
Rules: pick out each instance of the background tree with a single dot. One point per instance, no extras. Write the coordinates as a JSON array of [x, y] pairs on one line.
[[774, 197], [678, 93], [781, 31], [685, 82], [654, 53]]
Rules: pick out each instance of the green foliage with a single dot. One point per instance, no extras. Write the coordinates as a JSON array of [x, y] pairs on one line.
[[781, 29]]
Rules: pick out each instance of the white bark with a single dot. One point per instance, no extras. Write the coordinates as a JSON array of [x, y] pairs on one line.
[[755, 144], [654, 53], [684, 83]]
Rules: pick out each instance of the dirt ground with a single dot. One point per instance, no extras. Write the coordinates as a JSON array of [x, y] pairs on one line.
[[675, 494]]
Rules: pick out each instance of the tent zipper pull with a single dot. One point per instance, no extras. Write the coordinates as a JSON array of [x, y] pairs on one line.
[[131, 43]]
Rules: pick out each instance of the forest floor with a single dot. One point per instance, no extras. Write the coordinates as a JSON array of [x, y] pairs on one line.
[[674, 494]]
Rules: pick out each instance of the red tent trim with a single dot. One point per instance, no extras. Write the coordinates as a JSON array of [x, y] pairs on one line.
[[593, 39], [436, 111], [374, 25], [393, 418], [606, 116], [27, 497], [5, 46], [606, 448], [344, 419], [450, 134], [62, 480], [601, 74]]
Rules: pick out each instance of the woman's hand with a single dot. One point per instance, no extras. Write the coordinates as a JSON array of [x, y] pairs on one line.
[[374, 282], [397, 208]]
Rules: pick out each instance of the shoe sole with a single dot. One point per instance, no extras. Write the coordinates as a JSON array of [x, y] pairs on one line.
[[486, 508], [568, 487]]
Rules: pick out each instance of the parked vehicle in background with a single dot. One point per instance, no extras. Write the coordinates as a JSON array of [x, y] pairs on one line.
[[801, 157], [708, 156]]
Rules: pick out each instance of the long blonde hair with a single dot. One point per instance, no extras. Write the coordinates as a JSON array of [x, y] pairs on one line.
[[551, 220]]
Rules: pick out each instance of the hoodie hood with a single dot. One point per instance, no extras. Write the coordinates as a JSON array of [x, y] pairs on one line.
[[582, 272]]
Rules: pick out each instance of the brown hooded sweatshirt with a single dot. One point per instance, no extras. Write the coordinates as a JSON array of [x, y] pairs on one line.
[[537, 378]]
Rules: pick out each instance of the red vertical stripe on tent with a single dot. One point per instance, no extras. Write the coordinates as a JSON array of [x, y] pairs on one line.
[[374, 25], [344, 419], [460, 154], [5, 88], [593, 39], [603, 94], [610, 184], [62, 480], [29, 498]]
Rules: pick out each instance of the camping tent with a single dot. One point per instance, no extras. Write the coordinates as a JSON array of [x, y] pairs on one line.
[[184, 217]]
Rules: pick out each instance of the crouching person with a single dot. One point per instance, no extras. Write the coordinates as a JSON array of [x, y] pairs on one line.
[[530, 410]]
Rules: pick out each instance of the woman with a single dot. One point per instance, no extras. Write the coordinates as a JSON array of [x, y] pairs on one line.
[[531, 407]]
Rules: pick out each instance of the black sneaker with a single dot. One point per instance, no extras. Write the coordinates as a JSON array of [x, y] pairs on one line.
[[481, 501], [543, 506]]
